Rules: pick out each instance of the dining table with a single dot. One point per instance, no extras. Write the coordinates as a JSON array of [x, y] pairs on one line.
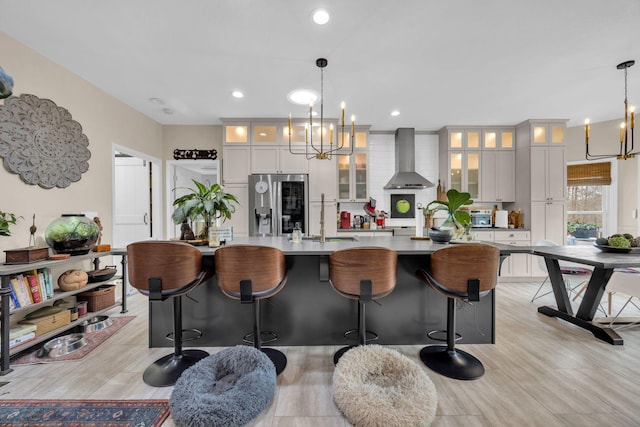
[[604, 261]]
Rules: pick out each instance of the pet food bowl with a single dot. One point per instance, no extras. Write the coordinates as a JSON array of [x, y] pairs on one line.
[[96, 323], [63, 345]]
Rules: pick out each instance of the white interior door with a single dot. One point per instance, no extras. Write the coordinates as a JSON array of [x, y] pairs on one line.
[[132, 219]]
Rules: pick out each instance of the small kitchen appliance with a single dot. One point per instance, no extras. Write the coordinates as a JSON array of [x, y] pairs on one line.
[[480, 218], [345, 220]]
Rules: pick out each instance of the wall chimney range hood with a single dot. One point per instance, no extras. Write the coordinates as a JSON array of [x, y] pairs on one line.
[[406, 176]]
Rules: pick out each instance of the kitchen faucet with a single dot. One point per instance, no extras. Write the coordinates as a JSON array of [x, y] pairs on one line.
[[322, 218]]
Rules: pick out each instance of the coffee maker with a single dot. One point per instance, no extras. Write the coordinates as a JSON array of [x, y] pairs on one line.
[[345, 219]]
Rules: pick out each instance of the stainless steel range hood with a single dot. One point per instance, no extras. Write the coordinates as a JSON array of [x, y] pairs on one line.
[[406, 176]]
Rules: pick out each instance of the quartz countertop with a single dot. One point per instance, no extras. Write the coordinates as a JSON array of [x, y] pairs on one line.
[[403, 245]]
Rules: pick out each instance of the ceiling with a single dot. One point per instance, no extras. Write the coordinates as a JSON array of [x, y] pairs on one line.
[[439, 62]]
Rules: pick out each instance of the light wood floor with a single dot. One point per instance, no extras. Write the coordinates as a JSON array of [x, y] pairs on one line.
[[541, 372]]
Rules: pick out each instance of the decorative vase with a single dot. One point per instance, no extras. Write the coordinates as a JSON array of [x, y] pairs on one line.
[[73, 234]]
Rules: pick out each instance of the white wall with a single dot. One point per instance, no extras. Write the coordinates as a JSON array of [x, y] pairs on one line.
[[381, 164], [603, 139], [105, 121]]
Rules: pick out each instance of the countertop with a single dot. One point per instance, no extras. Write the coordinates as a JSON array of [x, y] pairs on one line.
[[403, 245]]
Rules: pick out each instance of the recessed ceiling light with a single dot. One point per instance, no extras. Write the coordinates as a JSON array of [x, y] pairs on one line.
[[237, 94], [394, 113], [320, 16], [302, 96], [167, 111], [156, 101]]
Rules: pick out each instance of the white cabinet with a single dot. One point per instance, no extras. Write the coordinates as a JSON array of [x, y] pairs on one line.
[[277, 159], [515, 265], [463, 169], [548, 221], [498, 176], [240, 218], [330, 219], [323, 178], [235, 164], [542, 178], [548, 173], [352, 177]]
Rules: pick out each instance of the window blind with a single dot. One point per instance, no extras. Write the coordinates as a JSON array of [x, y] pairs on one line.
[[589, 174]]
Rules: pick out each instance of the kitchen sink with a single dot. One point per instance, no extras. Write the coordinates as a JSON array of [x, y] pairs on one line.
[[331, 238]]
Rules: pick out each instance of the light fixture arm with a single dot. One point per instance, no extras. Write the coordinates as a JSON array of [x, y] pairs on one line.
[[312, 150], [626, 128]]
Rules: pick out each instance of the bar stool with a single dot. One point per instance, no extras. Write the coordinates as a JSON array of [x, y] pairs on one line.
[[251, 273], [466, 273], [162, 270], [364, 274]]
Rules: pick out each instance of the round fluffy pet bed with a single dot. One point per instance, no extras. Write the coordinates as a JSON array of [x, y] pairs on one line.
[[378, 386], [229, 388]]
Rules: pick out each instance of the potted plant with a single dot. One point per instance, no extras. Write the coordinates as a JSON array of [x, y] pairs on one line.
[[457, 220], [6, 220], [208, 203], [582, 231]]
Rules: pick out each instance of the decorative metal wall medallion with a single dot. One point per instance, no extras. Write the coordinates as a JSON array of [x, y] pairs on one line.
[[40, 142], [195, 154]]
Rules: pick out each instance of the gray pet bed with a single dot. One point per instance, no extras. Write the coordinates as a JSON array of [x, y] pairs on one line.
[[378, 386], [229, 388]]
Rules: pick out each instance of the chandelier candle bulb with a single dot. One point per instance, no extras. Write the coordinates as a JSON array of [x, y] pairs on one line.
[[331, 133], [621, 132], [353, 126], [586, 130], [289, 125]]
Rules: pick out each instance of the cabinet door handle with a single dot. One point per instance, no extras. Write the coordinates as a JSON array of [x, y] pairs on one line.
[[146, 219]]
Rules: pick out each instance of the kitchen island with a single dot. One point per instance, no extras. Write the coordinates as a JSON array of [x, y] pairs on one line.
[[309, 312]]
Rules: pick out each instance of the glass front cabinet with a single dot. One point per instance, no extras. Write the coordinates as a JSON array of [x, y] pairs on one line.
[[352, 170]]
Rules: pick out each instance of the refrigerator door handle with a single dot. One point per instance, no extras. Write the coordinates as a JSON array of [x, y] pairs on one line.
[[277, 203]]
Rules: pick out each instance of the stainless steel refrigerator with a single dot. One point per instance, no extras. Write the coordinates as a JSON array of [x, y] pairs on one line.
[[277, 203]]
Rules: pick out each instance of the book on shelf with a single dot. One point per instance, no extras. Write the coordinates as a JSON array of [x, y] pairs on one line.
[[22, 339], [43, 285], [21, 333], [25, 288], [34, 287], [13, 301], [19, 289]]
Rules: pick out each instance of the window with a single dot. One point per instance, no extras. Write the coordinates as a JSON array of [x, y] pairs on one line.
[[590, 201]]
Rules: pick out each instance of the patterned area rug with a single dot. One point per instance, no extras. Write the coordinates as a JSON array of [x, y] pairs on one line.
[[85, 413], [94, 338]]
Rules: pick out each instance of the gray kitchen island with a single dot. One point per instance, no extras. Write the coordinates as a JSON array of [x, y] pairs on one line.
[[309, 312]]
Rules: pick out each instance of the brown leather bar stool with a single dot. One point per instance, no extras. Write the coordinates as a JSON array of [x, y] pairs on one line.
[[459, 272], [251, 273], [364, 274], [163, 270]]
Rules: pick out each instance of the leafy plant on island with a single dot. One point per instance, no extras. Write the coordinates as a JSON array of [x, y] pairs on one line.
[[455, 200], [7, 220], [206, 202]]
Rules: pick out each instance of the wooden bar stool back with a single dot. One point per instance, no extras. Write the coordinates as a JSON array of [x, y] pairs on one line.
[[251, 273], [162, 270], [459, 272], [364, 274]]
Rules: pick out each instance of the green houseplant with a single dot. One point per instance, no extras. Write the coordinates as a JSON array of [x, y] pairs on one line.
[[457, 219], [6, 220], [206, 202]]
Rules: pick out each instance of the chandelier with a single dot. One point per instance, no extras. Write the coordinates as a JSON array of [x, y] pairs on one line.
[[626, 127], [324, 149]]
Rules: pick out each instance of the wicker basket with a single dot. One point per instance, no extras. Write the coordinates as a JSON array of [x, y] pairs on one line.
[[99, 298]]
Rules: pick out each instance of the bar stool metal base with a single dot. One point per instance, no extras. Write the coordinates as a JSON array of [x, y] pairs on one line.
[[277, 357], [265, 337], [455, 363], [352, 334], [338, 354], [165, 371]]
